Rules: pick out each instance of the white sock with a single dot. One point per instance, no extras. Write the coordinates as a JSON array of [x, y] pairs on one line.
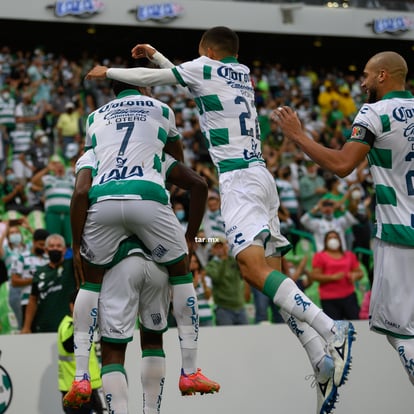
[[293, 301], [405, 349], [185, 309], [115, 387], [308, 337], [152, 378], [85, 316]]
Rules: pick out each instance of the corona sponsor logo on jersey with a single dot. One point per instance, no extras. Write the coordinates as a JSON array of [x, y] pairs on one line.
[[126, 105], [230, 74], [403, 114]]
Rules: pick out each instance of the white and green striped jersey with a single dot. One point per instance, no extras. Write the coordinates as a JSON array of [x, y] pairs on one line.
[[26, 266], [391, 160], [7, 108], [20, 141], [58, 192], [128, 136], [224, 95]]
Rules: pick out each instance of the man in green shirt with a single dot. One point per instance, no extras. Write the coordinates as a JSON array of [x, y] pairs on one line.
[[229, 288], [52, 287]]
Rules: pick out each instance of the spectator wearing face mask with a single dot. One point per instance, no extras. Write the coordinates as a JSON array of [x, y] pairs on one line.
[[11, 247], [52, 286], [337, 269], [13, 194], [321, 219], [180, 213], [27, 263]]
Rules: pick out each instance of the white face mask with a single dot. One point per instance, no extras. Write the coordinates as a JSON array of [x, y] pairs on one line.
[[44, 140], [333, 244], [15, 238], [356, 195]]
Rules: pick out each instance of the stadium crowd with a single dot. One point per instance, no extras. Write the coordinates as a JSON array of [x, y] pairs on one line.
[[44, 102]]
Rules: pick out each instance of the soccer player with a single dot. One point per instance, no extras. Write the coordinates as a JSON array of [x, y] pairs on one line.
[[224, 94], [383, 132], [135, 285], [191, 381]]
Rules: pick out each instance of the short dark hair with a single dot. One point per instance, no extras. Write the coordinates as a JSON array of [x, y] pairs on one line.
[[40, 234], [118, 86], [223, 38]]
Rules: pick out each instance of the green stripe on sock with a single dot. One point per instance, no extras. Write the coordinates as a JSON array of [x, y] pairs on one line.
[[113, 368], [272, 283], [181, 280], [93, 287], [153, 352]]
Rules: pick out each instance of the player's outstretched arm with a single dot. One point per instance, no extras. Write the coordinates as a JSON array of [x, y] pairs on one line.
[[98, 72], [152, 54], [340, 162]]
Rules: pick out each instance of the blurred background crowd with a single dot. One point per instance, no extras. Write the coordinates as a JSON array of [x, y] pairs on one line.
[[44, 102]]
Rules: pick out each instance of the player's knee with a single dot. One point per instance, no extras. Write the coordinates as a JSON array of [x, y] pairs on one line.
[[151, 340]]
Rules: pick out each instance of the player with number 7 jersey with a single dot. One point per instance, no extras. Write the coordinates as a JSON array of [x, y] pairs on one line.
[[128, 135], [224, 94], [128, 197]]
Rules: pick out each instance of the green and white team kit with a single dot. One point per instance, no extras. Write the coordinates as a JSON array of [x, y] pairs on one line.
[[391, 120]]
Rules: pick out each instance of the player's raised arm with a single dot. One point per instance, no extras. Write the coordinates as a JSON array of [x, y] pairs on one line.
[[98, 72], [152, 54]]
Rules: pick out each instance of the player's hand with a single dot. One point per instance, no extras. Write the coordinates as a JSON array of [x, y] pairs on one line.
[[288, 121], [192, 246], [143, 51], [98, 72]]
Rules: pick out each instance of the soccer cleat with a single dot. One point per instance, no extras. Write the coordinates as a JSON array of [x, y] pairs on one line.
[[326, 390], [190, 384], [79, 393], [340, 350]]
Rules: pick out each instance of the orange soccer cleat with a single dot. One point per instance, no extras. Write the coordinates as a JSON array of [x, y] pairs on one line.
[[80, 393], [192, 383]]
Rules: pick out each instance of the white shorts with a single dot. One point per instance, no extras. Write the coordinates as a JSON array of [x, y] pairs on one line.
[[111, 221], [391, 308], [134, 287], [249, 207]]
